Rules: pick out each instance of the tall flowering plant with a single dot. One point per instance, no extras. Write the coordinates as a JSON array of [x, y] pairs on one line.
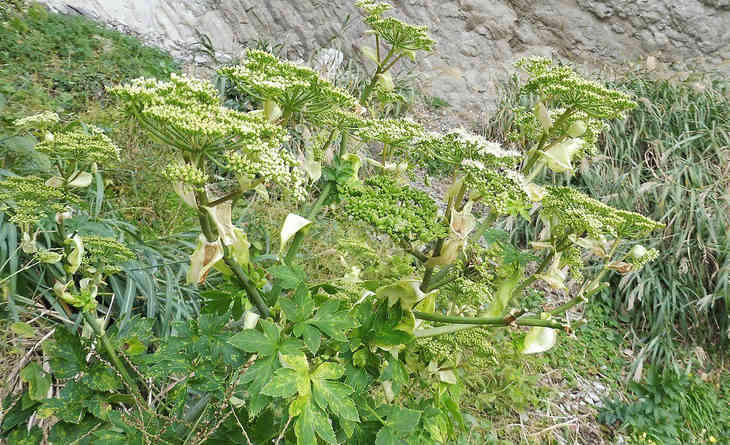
[[353, 360]]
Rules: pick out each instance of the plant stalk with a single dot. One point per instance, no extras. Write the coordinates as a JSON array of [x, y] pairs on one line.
[[111, 352], [485, 321]]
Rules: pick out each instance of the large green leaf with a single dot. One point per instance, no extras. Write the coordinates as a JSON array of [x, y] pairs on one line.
[[258, 374], [332, 322], [335, 395], [329, 370], [69, 406], [65, 354], [395, 372], [403, 420], [311, 336], [322, 424], [299, 307], [38, 381], [288, 277], [282, 384], [437, 426], [101, 378], [70, 433], [98, 406], [262, 343], [23, 437], [304, 427], [386, 436]]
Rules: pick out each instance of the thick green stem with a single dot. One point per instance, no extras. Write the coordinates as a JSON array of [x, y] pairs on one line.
[[253, 293], [486, 321], [380, 70], [228, 197], [532, 278], [343, 145], [429, 269], [299, 237], [110, 351], [211, 235]]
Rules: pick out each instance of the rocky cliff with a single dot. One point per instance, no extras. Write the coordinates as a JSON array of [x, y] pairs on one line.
[[477, 39]]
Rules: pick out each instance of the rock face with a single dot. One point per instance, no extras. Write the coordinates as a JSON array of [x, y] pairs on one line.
[[477, 39]]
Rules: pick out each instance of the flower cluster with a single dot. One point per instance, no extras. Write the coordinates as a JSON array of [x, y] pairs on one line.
[[454, 346], [391, 132], [561, 86], [187, 114], [402, 212], [275, 166], [373, 8], [347, 121], [401, 36], [503, 190], [185, 173], [570, 212], [181, 91], [38, 121], [106, 251], [639, 256], [29, 199], [577, 124], [458, 145], [79, 146], [296, 89]]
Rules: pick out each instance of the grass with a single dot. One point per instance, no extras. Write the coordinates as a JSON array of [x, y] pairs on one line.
[[62, 63]]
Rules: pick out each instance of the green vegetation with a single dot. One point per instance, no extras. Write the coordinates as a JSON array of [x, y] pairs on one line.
[[672, 409], [63, 63], [252, 277], [671, 156]]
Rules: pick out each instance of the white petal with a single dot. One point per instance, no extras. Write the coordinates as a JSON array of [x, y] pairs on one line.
[[55, 182], [186, 194], [539, 339], [82, 180], [292, 224]]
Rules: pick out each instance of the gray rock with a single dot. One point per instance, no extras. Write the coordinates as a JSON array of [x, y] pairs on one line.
[[478, 40]]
